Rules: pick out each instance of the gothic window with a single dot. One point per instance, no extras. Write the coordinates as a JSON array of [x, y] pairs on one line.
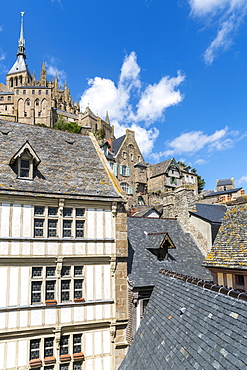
[[1, 98], [9, 98], [33, 92], [39, 92], [24, 92], [11, 82]]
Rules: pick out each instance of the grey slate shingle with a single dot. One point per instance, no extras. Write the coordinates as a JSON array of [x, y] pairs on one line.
[[143, 266], [69, 163], [199, 339]]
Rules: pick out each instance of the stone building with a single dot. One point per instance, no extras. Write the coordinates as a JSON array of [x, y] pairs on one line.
[[227, 260], [26, 99], [129, 166], [63, 253]]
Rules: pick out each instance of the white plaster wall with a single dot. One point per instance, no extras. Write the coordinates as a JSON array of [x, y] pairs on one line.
[[204, 228], [4, 221]]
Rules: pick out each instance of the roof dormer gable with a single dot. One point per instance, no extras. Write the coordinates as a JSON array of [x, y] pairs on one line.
[[26, 159]]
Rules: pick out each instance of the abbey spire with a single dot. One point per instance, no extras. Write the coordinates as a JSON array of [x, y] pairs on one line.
[[19, 74], [21, 42]]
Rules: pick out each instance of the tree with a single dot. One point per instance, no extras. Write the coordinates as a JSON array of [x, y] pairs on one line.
[[200, 181], [62, 125]]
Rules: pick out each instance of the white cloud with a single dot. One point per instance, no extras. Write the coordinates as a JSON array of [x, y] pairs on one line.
[[200, 162], [104, 95], [2, 55], [242, 180], [1, 28], [52, 70], [226, 15]]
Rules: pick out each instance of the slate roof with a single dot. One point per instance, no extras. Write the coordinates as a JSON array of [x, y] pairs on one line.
[[70, 165], [20, 65], [117, 143], [224, 182], [222, 192], [210, 212], [230, 246], [160, 168], [209, 335], [146, 212], [143, 265]]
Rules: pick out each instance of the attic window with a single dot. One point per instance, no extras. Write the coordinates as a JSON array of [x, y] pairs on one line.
[[26, 159], [25, 165]]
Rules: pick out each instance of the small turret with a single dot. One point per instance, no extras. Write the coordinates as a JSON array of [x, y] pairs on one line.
[[43, 75]]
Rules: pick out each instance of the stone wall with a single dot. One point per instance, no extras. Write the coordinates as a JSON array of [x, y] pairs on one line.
[[121, 285]]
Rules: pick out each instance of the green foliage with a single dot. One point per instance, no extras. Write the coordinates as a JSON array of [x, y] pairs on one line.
[[100, 134], [200, 181], [62, 125], [40, 124]]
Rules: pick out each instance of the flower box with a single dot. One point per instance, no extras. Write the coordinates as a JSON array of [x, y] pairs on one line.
[[78, 356], [64, 358], [49, 360], [37, 362], [79, 300], [50, 302]]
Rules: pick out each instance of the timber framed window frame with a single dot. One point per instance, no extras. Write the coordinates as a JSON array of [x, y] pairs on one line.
[[49, 223], [51, 287]]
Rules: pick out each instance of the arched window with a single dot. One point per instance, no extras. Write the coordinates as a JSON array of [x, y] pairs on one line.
[[11, 82]]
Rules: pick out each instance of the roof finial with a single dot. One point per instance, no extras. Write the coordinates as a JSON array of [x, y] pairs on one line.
[[21, 42]]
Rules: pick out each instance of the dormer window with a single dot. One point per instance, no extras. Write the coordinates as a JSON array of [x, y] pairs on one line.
[[158, 244], [25, 159], [25, 166]]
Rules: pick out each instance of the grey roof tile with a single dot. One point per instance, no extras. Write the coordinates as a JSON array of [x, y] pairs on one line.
[[193, 341], [143, 265], [70, 165]]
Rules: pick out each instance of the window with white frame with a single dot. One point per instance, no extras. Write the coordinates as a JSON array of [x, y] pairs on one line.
[[45, 284], [46, 222], [42, 348]]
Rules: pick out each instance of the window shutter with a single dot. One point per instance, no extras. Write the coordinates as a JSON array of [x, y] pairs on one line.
[[115, 169], [128, 171], [130, 190], [121, 169]]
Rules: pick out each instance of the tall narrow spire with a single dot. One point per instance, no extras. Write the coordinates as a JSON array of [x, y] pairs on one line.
[[21, 42]]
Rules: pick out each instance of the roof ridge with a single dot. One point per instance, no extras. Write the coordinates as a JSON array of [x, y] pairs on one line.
[[206, 285]]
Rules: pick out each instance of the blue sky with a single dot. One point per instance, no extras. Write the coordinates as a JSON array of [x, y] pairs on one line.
[[173, 70]]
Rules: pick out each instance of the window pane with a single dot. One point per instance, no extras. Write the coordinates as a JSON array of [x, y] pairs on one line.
[[38, 227], [79, 229], [77, 365], [52, 211], [64, 367], [34, 349], [50, 290], [65, 270], [48, 347], [67, 228], [24, 170], [80, 212], [78, 289], [78, 270], [50, 271], [77, 343], [39, 210], [64, 345], [52, 228], [36, 292], [67, 212], [37, 271], [65, 290]]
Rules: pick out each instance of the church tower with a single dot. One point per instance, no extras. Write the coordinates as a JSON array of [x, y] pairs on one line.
[[19, 74]]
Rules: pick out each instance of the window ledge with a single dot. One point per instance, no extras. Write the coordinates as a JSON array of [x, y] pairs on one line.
[[78, 300], [49, 360], [50, 302], [35, 363], [78, 356], [91, 240], [65, 358]]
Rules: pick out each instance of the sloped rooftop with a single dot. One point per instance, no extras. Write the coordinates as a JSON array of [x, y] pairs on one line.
[[230, 246], [70, 165], [209, 332], [143, 265], [210, 212]]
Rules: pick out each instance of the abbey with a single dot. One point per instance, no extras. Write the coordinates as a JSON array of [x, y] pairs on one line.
[[27, 100]]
